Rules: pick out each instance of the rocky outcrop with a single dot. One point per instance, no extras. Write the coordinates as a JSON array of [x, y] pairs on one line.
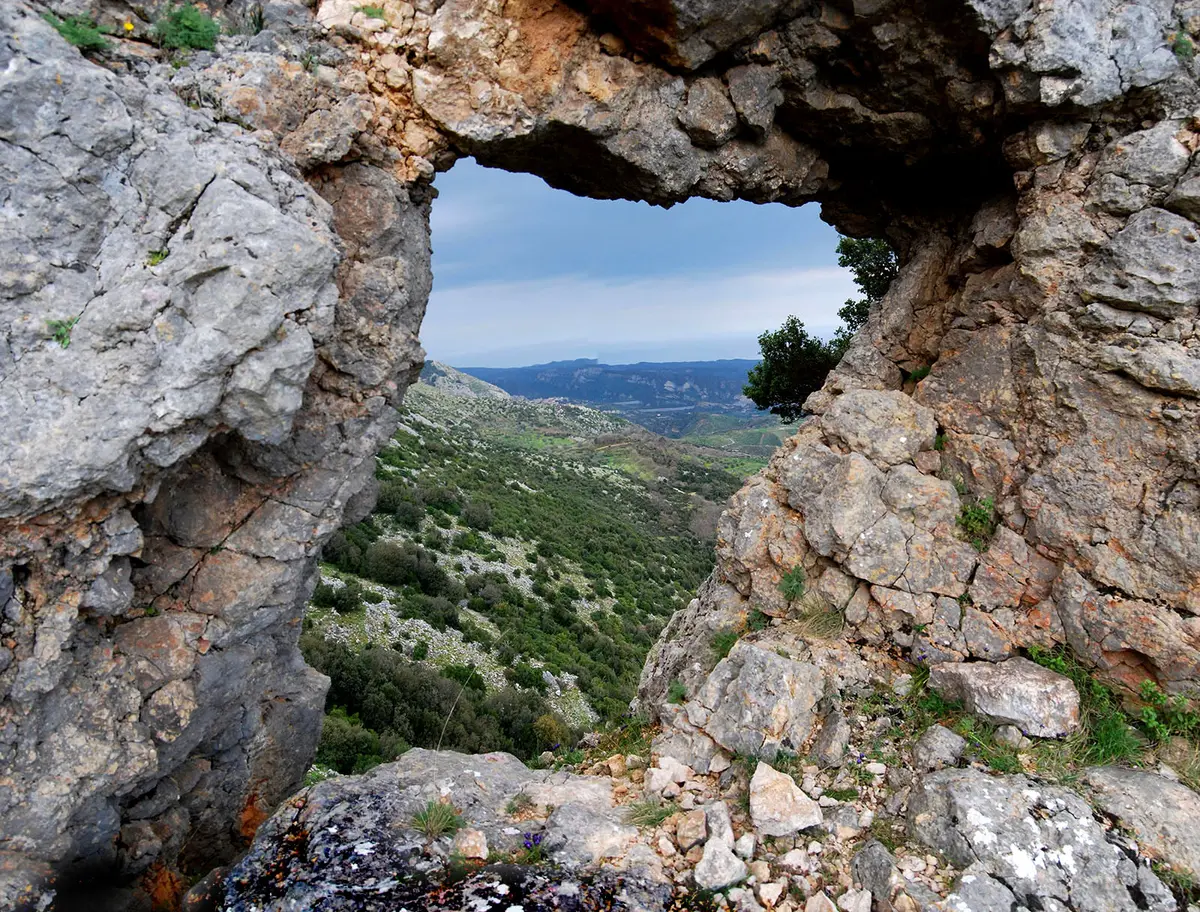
[[215, 273]]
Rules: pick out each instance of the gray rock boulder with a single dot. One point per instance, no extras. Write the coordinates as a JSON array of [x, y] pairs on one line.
[[938, 747], [1161, 814], [757, 702], [718, 867], [362, 837], [1040, 702], [777, 805], [1039, 842]]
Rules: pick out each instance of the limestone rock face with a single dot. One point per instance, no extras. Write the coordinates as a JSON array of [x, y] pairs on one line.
[[350, 836], [1016, 692], [1019, 838], [214, 276], [1161, 813], [778, 806]]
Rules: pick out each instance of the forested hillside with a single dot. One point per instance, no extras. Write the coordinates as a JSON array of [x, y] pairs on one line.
[[520, 561]]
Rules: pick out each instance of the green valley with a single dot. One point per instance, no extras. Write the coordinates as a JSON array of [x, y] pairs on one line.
[[520, 561]]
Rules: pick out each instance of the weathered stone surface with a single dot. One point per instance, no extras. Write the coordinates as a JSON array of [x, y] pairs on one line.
[[1040, 702], [938, 747], [757, 702], [777, 805], [1038, 842], [359, 830], [708, 116], [691, 829], [887, 427], [207, 428], [719, 867], [1160, 814]]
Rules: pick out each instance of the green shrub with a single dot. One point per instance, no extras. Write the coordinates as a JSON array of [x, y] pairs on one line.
[[723, 641], [757, 620], [186, 27], [676, 692], [420, 651], [344, 599], [81, 32], [1183, 47], [1165, 716], [920, 373], [792, 583], [978, 522], [438, 818]]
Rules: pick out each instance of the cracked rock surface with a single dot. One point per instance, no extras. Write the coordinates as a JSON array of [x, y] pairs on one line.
[[214, 277]]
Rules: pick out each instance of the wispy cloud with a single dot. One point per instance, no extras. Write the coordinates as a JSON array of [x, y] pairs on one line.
[[471, 321]]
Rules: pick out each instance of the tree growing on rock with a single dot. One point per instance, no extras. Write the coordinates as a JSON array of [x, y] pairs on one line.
[[794, 363]]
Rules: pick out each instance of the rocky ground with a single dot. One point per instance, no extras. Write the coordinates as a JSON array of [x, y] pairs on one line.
[[883, 790]]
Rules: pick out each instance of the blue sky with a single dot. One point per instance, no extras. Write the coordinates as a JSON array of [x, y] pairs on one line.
[[523, 274]]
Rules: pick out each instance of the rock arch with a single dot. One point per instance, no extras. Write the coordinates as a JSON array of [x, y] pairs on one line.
[[169, 476]]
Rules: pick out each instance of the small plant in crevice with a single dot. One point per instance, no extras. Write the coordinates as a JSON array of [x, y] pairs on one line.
[[757, 620], [978, 522], [531, 851], [939, 442], [676, 692], [1183, 47], [817, 618], [649, 813], [80, 31], [186, 27], [723, 641], [157, 256], [920, 373], [1164, 717], [372, 12], [438, 818], [792, 583], [519, 803], [60, 331]]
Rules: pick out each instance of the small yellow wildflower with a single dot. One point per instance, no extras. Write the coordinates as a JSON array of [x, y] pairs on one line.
[[129, 26]]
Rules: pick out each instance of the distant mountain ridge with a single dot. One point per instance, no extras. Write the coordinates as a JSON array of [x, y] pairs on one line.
[[644, 385]]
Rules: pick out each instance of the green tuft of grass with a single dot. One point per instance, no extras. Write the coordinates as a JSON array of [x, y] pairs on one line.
[[371, 12], [757, 620], [1183, 47], [978, 522], [60, 331], [186, 27], [438, 818], [792, 583], [817, 618], [939, 442], [648, 813], [676, 692], [80, 31], [157, 256], [920, 373], [723, 641]]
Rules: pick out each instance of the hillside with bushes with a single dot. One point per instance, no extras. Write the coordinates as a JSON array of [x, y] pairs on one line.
[[521, 559]]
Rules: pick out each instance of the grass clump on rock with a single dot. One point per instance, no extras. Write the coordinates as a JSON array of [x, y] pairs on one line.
[[438, 818], [80, 31], [186, 27], [978, 522]]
